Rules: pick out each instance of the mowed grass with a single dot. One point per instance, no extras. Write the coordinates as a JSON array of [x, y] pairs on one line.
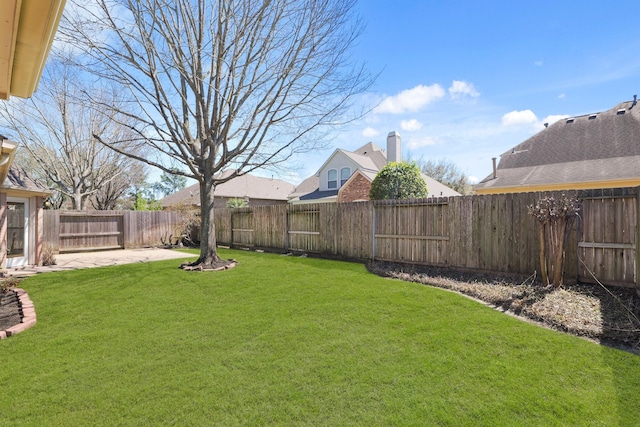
[[295, 341]]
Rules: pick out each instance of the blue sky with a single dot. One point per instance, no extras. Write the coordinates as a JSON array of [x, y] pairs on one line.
[[467, 80]]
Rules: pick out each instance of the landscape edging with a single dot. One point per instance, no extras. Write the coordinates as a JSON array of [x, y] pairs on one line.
[[28, 315]]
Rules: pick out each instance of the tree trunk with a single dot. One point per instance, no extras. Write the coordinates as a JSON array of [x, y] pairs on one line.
[[76, 202], [208, 242], [559, 256], [543, 260], [209, 258]]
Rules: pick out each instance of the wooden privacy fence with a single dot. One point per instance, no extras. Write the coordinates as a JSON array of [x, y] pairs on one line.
[[73, 231], [609, 232], [492, 233]]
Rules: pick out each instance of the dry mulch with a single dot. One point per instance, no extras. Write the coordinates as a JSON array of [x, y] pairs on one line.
[[609, 315], [9, 310]]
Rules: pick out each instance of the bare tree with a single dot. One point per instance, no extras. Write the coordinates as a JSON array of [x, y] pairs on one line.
[[226, 84], [56, 128], [115, 193], [447, 173]]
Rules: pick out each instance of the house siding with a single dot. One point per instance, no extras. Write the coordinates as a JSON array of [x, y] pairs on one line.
[[338, 162]]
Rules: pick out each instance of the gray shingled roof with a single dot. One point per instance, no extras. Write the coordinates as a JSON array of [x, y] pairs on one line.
[[19, 179], [247, 185], [375, 153], [593, 147]]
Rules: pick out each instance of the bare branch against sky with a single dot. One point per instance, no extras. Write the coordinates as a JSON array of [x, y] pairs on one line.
[[229, 84], [56, 129]]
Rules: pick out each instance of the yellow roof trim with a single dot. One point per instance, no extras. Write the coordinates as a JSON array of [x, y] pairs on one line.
[[616, 183]]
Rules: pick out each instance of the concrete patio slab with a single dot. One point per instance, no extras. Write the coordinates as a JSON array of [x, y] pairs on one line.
[[77, 261]]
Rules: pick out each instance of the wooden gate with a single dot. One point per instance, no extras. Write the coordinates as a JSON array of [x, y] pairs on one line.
[[83, 231], [608, 236]]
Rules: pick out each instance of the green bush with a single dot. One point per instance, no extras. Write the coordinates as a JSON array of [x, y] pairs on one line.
[[398, 180], [237, 202]]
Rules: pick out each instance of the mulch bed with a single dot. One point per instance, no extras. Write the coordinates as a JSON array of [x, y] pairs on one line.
[[609, 315], [9, 310]]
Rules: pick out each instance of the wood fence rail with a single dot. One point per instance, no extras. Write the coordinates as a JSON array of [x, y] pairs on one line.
[[74, 231], [492, 233]]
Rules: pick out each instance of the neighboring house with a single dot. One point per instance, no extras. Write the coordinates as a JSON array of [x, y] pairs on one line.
[[347, 175], [600, 150], [26, 34], [254, 189]]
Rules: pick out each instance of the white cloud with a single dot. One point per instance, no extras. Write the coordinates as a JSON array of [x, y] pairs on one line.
[[415, 143], [554, 118], [517, 118], [460, 89], [473, 179], [410, 125], [562, 96], [539, 63], [370, 132], [410, 100]]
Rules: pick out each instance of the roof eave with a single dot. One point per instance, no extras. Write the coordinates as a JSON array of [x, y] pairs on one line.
[[26, 41], [7, 153]]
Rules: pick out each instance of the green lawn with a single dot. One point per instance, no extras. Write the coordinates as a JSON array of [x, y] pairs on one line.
[[295, 341]]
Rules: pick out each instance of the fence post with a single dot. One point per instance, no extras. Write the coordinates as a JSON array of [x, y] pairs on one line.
[[287, 227], [126, 229], [373, 231], [637, 263]]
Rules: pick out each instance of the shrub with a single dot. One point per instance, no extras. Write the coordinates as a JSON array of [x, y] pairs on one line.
[[237, 202], [398, 180], [48, 256], [555, 218]]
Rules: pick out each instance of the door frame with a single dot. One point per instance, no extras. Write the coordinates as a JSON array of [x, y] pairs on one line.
[[13, 262]]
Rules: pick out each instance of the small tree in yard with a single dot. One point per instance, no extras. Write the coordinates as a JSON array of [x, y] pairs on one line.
[[555, 218], [398, 180], [219, 85], [237, 202]]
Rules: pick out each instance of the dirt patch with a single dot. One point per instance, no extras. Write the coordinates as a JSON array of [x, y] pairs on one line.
[[220, 265], [609, 315]]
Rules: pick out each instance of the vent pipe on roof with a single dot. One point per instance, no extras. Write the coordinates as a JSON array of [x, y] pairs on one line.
[[495, 168], [546, 125], [635, 101]]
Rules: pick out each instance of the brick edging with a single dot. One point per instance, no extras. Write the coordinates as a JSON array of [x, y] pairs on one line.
[[28, 315]]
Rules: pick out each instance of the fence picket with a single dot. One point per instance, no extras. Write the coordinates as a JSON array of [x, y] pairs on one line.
[[489, 232]]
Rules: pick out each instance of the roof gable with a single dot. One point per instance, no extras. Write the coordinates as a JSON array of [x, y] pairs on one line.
[[356, 161]]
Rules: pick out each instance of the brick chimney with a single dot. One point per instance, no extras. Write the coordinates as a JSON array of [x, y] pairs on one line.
[[394, 147]]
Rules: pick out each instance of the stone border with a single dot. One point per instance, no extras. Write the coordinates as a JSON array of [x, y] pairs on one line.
[[28, 315]]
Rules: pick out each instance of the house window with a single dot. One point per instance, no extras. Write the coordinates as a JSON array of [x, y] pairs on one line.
[[332, 181], [345, 173]]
